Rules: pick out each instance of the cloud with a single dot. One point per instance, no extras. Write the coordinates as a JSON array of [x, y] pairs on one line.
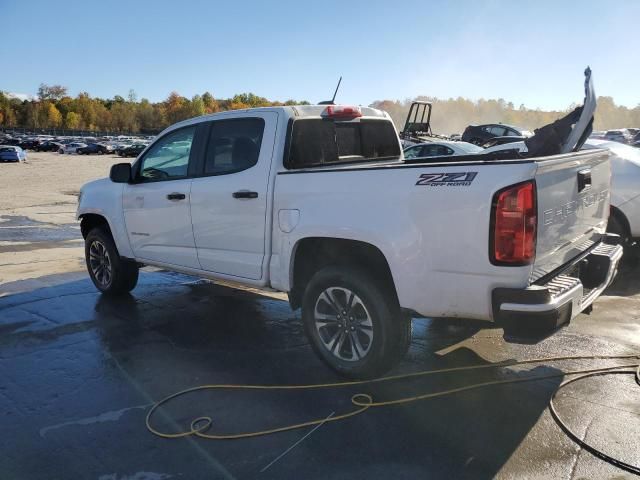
[[20, 96]]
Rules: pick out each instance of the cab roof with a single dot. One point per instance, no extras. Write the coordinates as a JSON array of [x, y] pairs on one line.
[[293, 111]]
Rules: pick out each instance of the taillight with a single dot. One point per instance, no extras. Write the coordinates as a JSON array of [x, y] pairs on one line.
[[342, 111], [513, 225]]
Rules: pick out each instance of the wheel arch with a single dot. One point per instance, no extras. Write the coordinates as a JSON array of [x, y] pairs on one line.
[[89, 221], [622, 218], [310, 254]]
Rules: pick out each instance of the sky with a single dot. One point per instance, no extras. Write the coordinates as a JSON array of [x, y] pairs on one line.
[[527, 52]]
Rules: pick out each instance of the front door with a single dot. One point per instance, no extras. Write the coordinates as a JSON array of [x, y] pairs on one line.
[[229, 200], [156, 205]]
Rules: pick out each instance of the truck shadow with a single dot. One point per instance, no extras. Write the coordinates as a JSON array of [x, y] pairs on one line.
[[627, 282], [170, 334]]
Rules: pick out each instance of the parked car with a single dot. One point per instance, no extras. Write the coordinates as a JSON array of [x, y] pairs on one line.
[[479, 134], [71, 147], [12, 141], [598, 134], [290, 199], [133, 150], [12, 153], [48, 146], [518, 146], [440, 149], [621, 136], [120, 147], [625, 188], [29, 144], [93, 148], [501, 141]]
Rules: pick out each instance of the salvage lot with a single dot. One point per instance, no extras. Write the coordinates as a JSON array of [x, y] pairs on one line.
[[82, 370]]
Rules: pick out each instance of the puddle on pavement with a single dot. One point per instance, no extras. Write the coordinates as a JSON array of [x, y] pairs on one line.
[[20, 228]]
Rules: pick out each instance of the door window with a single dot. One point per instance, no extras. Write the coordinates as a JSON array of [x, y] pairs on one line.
[[436, 151], [413, 152], [233, 146], [496, 130], [168, 158]]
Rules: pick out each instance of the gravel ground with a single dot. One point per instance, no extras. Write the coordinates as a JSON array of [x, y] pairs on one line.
[[50, 178], [38, 229]]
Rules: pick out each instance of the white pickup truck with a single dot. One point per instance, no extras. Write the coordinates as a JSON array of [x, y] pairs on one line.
[[318, 202]]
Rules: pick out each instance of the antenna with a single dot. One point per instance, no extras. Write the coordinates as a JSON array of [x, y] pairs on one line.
[[332, 101]]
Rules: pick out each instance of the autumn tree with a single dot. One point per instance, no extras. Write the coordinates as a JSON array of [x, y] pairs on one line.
[[54, 117], [197, 106], [145, 115], [210, 103], [86, 107], [72, 120], [51, 92], [174, 107], [123, 117]]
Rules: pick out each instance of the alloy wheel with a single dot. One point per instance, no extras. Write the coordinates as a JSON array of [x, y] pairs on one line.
[[100, 263], [343, 324]]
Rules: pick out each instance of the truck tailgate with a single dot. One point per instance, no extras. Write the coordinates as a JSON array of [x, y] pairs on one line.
[[573, 207]]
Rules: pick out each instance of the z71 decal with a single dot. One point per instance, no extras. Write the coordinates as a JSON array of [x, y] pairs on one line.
[[461, 179]]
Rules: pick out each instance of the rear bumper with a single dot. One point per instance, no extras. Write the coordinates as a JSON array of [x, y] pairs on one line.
[[540, 309]]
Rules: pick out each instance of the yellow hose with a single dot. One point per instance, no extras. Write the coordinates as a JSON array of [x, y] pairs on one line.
[[364, 401]]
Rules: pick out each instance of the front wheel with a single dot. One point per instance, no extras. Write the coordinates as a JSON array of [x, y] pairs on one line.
[[353, 323], [110, 274]]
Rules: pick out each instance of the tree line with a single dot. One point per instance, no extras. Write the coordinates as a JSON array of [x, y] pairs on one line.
[[54, 108]]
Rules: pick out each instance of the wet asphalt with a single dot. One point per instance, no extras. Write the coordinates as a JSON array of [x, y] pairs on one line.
[[80, 371]]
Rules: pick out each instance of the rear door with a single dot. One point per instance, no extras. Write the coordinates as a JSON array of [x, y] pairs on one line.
[[156, 205], [229, 200], [573, 206]]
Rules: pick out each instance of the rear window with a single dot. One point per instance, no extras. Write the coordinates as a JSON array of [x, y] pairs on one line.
[[316, 142]]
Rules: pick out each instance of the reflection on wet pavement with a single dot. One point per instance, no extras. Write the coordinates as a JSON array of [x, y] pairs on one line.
[[80, 371]]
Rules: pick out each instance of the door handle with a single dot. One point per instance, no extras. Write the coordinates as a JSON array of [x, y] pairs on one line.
[[176, 196], [245, 194]]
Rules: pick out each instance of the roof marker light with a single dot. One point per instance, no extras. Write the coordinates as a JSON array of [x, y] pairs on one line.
[[342, 111]]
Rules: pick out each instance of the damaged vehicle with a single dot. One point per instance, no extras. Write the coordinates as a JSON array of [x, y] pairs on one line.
[[440, 148], [319, 202]]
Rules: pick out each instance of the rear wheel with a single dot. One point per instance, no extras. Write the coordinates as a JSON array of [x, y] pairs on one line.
[[617, 227], [353, 323], [110, 274]]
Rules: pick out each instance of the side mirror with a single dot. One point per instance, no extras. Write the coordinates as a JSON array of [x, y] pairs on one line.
[[120, 173]]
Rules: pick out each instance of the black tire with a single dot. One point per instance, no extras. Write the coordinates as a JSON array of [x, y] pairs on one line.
[[405, 331], [352, 352], [110, 274], [616, 226]]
